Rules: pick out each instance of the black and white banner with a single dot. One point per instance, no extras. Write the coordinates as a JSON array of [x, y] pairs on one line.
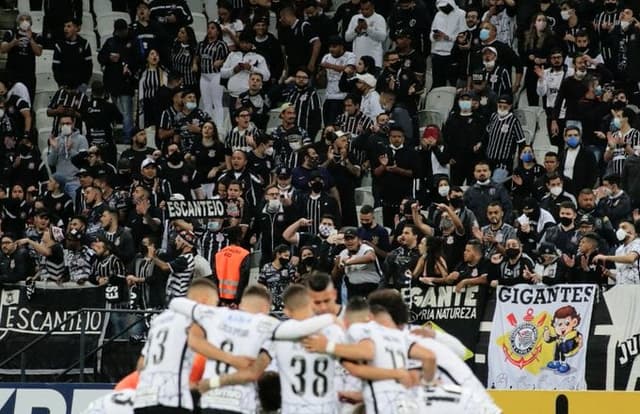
[[23, 320], [190, 209], [458, 313]]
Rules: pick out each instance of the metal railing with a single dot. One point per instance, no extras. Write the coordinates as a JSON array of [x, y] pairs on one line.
[[22, 352]]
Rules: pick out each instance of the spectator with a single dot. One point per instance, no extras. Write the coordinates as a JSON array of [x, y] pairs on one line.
[[17, 120], [306, 102], [357, 266], [370, 104], [344, 13], [239, 171], [372, 233], [401, 261], [144, 218], [549, 269], [139, 150], [168, 128], [152, 78], [301, 43], [621, 141], [212, 52], [514, 267], [78, 257], [368, 31], [616, 204], [577, 162], [270, 48], [326, 242], [208, 156], [189, 123], [52, 265], [507, 57], [271, 222], [230, 25], [473, 271], [316, 203], [525, 176], [67, 101], [414, 16], [556, 195], [15, 263], [334, 64], [100, 120], [626, 255], [22, 46], [563, 235], [120, 237], [148, 34], [498, 78], [321, 24], [582, 267], [538, 45], [62, 148], [503, 137], [256, 99], [56, 15], [277, 275], [183, 57], [118, 57], [497, 232], [432, 266], [548, 86], [72, 63], [485, 191], [288, 138], [181, 267], [171, 14], [448, 22], [239, 65]]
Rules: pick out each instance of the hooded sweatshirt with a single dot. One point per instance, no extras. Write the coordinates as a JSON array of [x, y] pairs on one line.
[[450, 24]]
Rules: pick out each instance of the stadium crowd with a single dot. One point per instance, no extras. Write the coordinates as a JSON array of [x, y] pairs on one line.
[[289, 122]]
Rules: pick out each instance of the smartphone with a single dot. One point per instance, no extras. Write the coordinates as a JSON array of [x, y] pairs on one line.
[[360, 21]]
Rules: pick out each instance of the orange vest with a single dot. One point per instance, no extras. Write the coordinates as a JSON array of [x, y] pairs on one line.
[[228, 262]]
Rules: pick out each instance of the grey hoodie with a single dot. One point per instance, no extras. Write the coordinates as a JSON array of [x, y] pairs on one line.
[[59, 159]]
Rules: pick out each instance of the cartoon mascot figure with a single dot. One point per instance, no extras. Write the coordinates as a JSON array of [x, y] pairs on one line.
[[567, 338]]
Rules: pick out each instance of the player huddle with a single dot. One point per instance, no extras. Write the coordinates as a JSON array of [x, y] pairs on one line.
[[323, 359]]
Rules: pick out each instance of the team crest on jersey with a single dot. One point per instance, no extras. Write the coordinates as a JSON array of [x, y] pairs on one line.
[[522, 346], [31, 166]]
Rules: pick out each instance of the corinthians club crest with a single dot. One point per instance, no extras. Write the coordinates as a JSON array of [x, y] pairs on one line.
[[523, 345]]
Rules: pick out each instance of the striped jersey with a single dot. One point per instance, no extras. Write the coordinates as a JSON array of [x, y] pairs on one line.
[[619, 155], [353, 124], [503, 136], [209, 52], [236, 139], [76, 101], [181, 269], [182, 57], [111, 266], [308, 107], [606, 46], [79, 262]]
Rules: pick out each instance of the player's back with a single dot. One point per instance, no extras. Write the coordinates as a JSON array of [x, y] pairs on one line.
[[164, 380], [391, 352], [307, 379], [242, 334]]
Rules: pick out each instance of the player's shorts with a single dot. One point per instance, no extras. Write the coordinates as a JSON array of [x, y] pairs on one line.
[[452, 399], [395, 403]]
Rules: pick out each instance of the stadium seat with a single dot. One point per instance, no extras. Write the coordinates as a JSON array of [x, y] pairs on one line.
[[441, 98], [199, 24], [43, 140], [43, 62], [43, 97], [36, 17], [24, 6], [211, 10], [432, 116], [91, 38], [528, 117], [87, 21], [377, 215], [42, 119], [102, 7], [45, 82], [105, 21], [364, 195], [196, 6], [86, 5]]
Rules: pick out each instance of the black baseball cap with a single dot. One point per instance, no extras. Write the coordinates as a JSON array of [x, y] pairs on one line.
[[350, 232]]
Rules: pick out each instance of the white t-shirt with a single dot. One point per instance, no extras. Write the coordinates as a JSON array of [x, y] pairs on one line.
[[628, 274], [333, 77], [361, 273]]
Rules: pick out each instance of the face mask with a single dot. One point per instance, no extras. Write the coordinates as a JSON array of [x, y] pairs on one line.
[[309, 261], [616, 123], [396, 65], [25, 25], [457, 202], [175, 158], [317, 186], [502, 113], [580, 74], [268, 152], [443, 191], [446, 223], [511, 253], [1, 113], [66, 130], [621, 234], [565, 14], [573, 142], [295, 145], [284, 261], [213, 226], [367, 225], [566, 221], [610, 7], [556, 191], [526, 157], [540, 26], [484, 34], [446, 9], [485, 182], [324, 230], [464, 106], [395, 147], [273, 205], [625, 25], [23, 150], [191, 105], [489, 64], [598, 90]]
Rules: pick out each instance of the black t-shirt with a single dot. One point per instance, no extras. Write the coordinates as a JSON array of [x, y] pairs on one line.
[[21, 61], [207, 157], [324, 251], [467, 271], [99, 118], [261, 167]]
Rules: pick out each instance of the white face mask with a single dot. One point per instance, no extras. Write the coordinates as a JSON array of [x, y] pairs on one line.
[[295, 145], [502, 113], [621, 234], [25, 25], [324, 230], [565, 14], [485, 182], [489, 64], [268, 151], [191, 105], [273, 205], [66, 130], [556, 191], [443, 191], [580, 74], [624, 25]]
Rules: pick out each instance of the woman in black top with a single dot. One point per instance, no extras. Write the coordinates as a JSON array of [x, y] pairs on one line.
[[431, 267], [525, 175], [208, 156], [538, 43], [183, 58]]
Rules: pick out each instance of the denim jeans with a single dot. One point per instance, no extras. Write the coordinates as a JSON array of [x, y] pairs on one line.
[[124, 103]]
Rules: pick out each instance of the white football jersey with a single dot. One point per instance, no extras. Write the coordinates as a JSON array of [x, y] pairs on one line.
[[391, 352], [164, 380], [239, 333], [307, 379], [117, 402]]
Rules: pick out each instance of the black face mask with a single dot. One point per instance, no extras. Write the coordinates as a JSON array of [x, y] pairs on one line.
[[566, 221], [317, 186], [457, 202], [175, 158], [500, 8], [534, 215], [23, 150], [610, 7], [284, 261], [446, 9], [511, 253], [309, 261], [367, 225], [395, 65]]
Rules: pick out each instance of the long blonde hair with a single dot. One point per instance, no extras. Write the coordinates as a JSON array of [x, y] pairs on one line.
[[531, 38]]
